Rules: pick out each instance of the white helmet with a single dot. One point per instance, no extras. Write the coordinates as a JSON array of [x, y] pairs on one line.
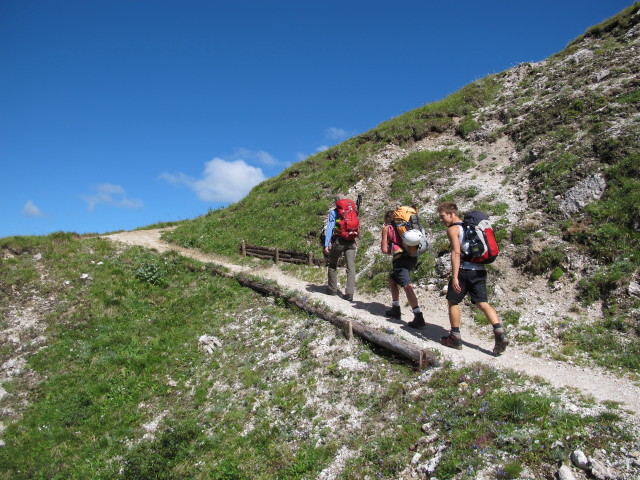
[[412, 237]]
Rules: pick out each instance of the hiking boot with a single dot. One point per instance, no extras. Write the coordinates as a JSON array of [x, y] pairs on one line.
[[348, 297], [330, 292], [417, 322], [452, 341], [501, 344], [393, 312]]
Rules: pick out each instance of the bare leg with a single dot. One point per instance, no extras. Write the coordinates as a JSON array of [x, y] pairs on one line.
[[489, 312], [395, 291], [411, 296], [454, 315]]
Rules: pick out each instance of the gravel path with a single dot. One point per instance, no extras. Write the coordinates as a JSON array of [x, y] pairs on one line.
[[601, 385]]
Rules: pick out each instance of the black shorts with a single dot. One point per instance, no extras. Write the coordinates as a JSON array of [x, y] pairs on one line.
[[401, 268], [473, 282]]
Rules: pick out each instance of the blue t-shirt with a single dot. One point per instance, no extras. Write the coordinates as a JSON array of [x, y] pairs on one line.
[[331, 223]]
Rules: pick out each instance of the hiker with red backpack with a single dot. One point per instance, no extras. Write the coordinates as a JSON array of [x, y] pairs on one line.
[[472, 246], [404, 261], [341, 240]]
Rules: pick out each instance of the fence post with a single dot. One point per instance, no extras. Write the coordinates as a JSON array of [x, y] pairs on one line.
[[243, 249], [347, 328], [277, 257], [310, 262]]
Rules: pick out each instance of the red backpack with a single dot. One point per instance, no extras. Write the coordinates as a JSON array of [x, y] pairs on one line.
[[347, 221]]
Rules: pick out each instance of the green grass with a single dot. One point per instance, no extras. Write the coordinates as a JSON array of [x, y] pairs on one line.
[[122, 354], [597, 340], [421, 169], [545, 260], [122, 326], [472, 412], [612, 26], [288, 210]]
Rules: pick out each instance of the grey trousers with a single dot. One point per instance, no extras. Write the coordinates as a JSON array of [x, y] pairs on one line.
[[348, 249]]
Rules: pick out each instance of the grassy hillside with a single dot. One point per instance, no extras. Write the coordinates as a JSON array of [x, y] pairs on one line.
[[570, 117], [572, 122], [105, 377], [289, 210], [104, 374]]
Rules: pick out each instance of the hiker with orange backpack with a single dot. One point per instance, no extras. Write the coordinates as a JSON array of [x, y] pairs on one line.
[[471, 249], [342, 231], [405, 259]]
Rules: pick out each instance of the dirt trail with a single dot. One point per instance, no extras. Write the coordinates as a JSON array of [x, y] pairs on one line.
[[597, 383]]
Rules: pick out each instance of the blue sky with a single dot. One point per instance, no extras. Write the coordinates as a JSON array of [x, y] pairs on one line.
[[116, 114]]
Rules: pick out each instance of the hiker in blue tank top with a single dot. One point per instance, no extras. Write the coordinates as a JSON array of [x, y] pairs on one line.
[[466, 278], [341, 240]]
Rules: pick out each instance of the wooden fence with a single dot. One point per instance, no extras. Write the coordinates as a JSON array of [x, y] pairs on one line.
[[284, 256]]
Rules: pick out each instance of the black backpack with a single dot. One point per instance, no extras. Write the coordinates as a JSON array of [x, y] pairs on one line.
[[480, 241]]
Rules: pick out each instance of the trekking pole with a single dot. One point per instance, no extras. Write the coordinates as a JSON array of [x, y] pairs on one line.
[[358, 202]]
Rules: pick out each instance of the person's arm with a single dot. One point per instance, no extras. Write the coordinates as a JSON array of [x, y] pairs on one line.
[[331, 223], [384, 240], [453, 233]]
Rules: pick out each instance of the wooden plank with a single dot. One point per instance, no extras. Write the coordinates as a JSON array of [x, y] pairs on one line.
[[422, 357]]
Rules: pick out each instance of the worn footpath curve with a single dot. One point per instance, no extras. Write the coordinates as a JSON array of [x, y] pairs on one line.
[[597, 383]]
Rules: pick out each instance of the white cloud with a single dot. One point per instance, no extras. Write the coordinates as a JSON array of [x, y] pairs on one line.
[[31, 210], [259, 155], [222, 181], [334, 133], [113, 195]]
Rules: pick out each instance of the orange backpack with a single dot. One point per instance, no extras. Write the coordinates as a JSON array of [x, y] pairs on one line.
[[405, 219]]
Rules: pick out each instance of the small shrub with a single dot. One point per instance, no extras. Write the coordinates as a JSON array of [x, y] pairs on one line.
[[556, 274], [466, 126], [521, 234], [632, 97], [527, 334], [545, 260], [510, 318], [500, 230], [376, 278], [152, 273], [510, 471], [425, 267], [488, 206], [604, 280]]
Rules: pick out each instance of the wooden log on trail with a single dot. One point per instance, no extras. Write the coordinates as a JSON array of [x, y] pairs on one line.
[[422, 357]]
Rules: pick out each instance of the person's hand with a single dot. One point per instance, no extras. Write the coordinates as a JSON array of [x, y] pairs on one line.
[[456, 284], [326, 250]]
